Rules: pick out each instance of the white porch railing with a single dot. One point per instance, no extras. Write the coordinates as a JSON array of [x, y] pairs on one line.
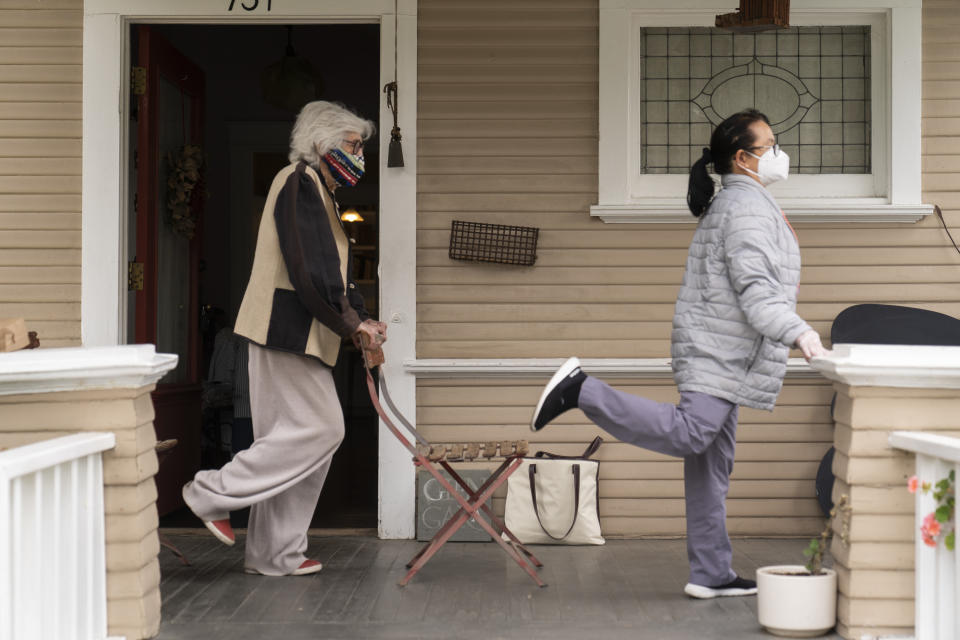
[[937, 570], [52, 566]]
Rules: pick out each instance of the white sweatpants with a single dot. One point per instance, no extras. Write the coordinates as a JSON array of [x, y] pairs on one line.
[[297, 427]]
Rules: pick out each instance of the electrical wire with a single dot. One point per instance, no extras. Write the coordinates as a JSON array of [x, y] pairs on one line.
[[939, 213]]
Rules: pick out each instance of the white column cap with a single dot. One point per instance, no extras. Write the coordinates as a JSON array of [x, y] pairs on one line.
[[82, 368], [882, 365]]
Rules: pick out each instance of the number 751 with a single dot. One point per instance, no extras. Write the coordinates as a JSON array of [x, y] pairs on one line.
[[252, 7]]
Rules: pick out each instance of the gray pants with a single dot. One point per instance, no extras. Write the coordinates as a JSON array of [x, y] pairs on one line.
[[297, 427], [702, 430]]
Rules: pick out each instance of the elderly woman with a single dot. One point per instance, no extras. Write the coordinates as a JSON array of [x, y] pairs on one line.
[[733, 325], [299, 305]]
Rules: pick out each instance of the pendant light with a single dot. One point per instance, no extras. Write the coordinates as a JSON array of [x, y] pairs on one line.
[[292, 81], [351, 215]]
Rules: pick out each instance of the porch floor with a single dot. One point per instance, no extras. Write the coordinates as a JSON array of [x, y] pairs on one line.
[[624, 589]]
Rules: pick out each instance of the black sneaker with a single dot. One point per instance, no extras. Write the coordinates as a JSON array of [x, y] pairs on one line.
[[736, 587], [561, 394]]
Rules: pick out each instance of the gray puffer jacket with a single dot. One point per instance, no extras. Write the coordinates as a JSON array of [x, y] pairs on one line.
[[735, 316]]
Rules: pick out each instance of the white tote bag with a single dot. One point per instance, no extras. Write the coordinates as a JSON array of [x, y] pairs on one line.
[[554, 499]]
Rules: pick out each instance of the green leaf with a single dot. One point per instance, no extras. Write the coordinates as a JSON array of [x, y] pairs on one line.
[[948, 540], [943, 514]]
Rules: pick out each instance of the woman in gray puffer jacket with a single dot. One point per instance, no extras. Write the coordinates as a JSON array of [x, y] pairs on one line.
[[733, 326]]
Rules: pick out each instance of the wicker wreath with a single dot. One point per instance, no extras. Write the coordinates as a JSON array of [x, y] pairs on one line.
[[185, 174]]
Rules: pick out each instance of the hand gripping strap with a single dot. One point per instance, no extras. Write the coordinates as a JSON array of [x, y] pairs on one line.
[[532, 471]]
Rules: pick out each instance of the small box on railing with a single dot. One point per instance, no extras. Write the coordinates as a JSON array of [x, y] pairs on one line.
[[13, 334]]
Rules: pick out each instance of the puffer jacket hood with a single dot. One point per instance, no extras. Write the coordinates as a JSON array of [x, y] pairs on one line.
[[735, 315]]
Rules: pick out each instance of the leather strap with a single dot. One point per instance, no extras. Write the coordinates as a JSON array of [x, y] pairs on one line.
[[589, 451], [532, 472], [592, 447]]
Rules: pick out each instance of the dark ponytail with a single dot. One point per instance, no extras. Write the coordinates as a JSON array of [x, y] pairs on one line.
[[730, 136], [700, 187]]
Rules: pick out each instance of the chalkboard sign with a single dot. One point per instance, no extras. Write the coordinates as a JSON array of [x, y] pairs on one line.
[[435, 505]]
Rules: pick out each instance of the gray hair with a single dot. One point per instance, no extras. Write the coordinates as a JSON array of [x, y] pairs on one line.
[[320, 127]]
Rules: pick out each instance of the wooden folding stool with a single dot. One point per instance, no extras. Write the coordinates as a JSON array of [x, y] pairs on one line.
[[427, 455]]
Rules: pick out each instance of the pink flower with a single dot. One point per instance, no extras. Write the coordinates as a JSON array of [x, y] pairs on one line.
[[912, 484], [930, 526], [930, 542]]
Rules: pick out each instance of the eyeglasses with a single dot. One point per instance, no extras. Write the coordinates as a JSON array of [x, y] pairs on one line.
[[354, 146], [775, 147]]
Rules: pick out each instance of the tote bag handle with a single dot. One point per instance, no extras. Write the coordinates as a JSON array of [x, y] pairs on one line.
[[532, 471], [589, 451]]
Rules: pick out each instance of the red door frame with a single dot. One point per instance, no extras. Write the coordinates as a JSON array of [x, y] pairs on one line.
[[176, 406], [160, 58]]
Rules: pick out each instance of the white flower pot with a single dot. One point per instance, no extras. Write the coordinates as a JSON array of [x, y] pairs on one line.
[[796, 606]]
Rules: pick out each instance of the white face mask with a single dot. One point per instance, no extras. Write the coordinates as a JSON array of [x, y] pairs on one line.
[[774, 166]]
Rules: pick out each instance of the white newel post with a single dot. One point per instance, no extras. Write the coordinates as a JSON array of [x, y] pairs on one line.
[[88, 399], [882, 389], [51, 539], [937, 568]]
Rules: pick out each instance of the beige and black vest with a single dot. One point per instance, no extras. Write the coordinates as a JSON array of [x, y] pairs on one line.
[[270, 298]]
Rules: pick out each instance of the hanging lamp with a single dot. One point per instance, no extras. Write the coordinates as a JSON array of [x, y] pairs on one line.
[[292, 81], [351, 215]]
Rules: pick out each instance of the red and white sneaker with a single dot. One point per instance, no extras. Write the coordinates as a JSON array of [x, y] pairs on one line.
[[308, 567], [222, 530]]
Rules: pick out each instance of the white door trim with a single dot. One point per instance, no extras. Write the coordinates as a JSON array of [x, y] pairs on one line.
[[105, 87]]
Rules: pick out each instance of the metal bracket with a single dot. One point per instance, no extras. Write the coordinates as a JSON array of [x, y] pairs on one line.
[[138, 80], [134, 276]]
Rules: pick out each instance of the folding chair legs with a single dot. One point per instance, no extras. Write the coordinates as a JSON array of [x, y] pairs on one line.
[[468, 509], [476, 500], [472, 495], [165, 542], [494, 520]]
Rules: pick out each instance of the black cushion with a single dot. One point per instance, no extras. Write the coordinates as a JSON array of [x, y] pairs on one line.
[[893, 324]]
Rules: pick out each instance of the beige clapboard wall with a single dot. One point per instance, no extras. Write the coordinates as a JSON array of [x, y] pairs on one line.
[[508, 134], [40, 124]]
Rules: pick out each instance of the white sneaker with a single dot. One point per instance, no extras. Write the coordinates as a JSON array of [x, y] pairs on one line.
[[736, 587], [559, 395]]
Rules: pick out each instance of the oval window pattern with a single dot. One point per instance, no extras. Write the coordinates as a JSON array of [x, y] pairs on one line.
[[775, 91]]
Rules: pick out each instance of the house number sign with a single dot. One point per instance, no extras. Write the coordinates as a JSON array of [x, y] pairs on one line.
[[249, 5]]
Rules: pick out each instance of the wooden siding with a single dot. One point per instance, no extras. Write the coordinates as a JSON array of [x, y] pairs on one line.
[[40, 131], [508, 118], [507, 127]]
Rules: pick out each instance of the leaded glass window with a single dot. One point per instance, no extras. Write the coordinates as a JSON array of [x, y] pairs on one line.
[[812, 82]]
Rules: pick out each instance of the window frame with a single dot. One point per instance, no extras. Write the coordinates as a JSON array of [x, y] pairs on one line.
[[890, 193]]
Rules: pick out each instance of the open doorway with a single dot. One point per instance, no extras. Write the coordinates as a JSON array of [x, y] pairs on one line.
[[197, 283]]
